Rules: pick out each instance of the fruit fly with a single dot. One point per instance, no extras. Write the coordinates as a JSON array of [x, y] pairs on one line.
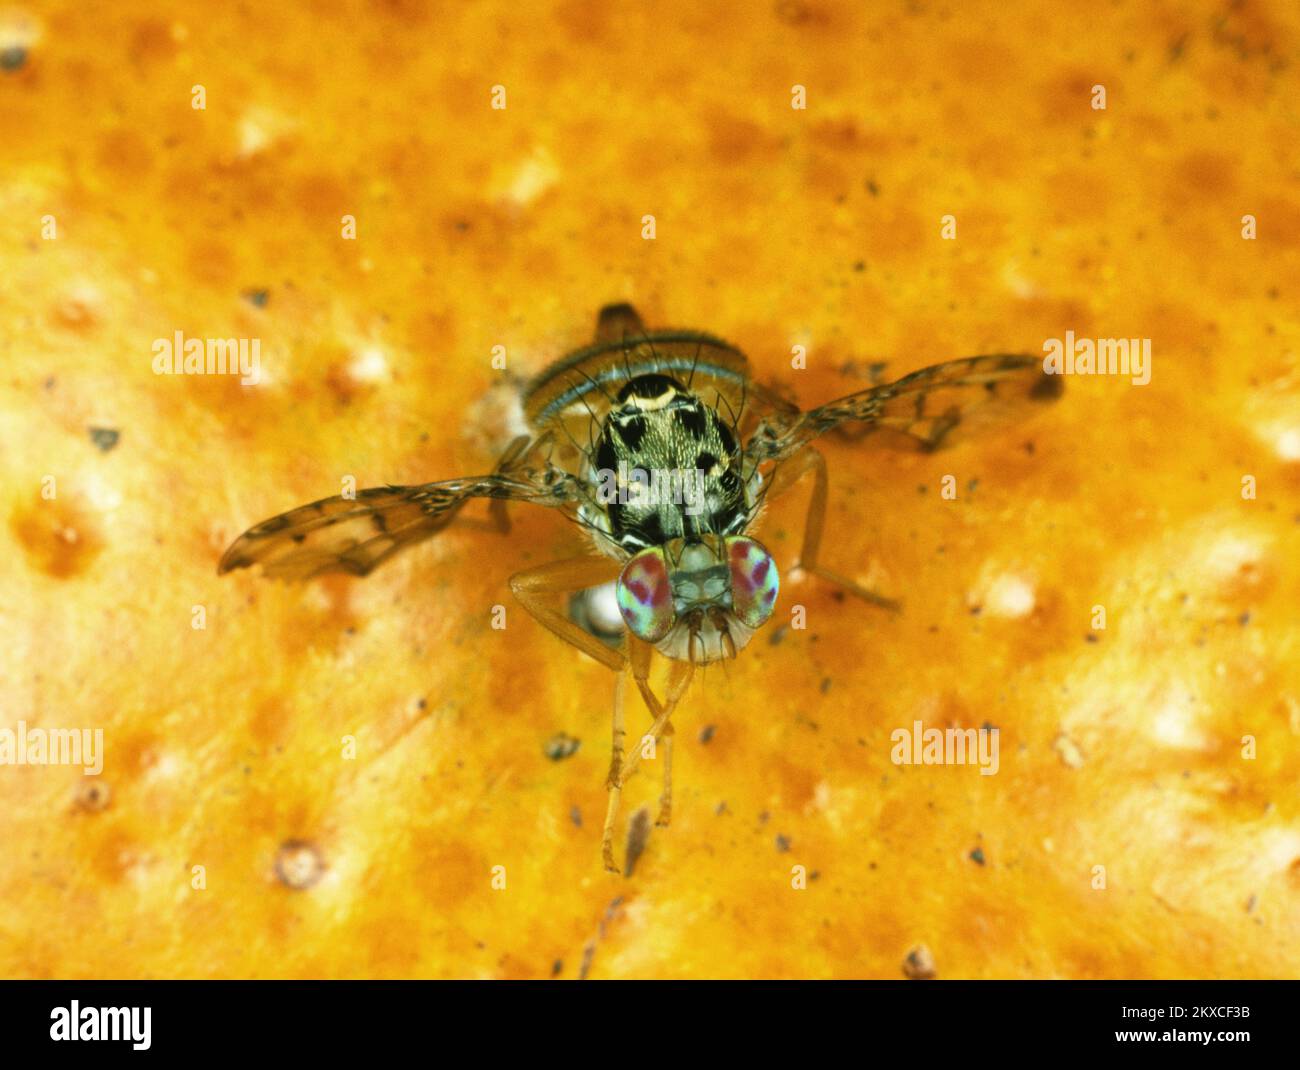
[[661, 446]]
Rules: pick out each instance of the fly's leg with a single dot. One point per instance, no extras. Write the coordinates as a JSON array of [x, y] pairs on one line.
[[533, 587], [560, 577], [786, 475], [612, 783], [640, 655], [679, 678], [619, 733], [666, 798]]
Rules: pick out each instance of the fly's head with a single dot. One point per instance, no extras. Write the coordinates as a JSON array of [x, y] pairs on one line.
[[698, 600]]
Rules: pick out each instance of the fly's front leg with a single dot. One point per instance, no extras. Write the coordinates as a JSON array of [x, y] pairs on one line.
[[786, 475], [666, 798], [615, 771], [640, 658], [679, 678], [619, 732], [532, 589], [640, 655]]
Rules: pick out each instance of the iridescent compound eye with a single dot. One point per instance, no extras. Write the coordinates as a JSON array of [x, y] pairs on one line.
[[645, 597], [754, 582]]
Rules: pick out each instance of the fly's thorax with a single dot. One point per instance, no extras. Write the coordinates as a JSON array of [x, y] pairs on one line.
[[667, 466]]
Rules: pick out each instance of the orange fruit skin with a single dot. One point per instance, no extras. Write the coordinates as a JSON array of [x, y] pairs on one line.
[[227, 747]]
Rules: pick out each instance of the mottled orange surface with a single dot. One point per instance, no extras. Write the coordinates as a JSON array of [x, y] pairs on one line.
[[775, 227]]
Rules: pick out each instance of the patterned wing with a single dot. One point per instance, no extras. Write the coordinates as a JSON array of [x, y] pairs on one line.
[[356, 535], [925, 409]]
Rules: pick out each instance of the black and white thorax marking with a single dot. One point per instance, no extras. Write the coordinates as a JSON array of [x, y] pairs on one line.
[[667, 466]]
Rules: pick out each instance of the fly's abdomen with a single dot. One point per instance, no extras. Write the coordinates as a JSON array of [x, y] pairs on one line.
[[586, 381]]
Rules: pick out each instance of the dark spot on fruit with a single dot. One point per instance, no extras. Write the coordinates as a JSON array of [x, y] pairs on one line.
[[561, 746], [58, 539], [638, 835], [919, 964], [92, 795], [298, 864], [104, 437]]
